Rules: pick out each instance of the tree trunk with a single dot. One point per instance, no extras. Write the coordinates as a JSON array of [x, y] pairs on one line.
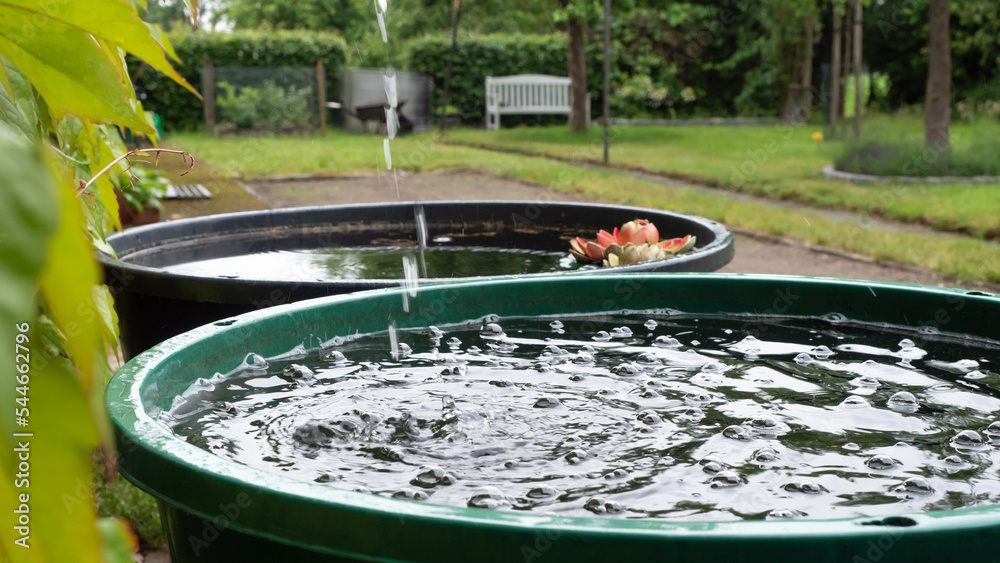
[[848, 41], [937, 106], [577, 75], [807, 71], [835, 73], [857, 68]]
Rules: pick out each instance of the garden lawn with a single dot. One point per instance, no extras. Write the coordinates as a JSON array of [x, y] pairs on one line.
[[775, 162], [960, 257]]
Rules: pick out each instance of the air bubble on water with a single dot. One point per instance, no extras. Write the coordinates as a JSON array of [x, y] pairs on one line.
[[975, 374], [880, 463], [697, 398], [547, 402], [492, 331], [714, 367], [993, 429], [650, 324], [543, 492], [556, 325], [432, 476], [910, 353], [866, 381], [434, 332], [906, 343], [725, 480], [666, 342], [553, 351], [968, 439], [301, 375], [736, 432], [621, 332], [503, 344], [362, 490], [821, 352], [711, 467], [804, 486], [966, 365], [335, 356], [803, 359], [693, 413], [851, 447], [765, 455], [574, 457], [626, 370], [954, 460], [855, 402], [474, 350], [410, 494], [649, 417], [784, 514], [766, 424], [583, 358], [914, 485], [903, 401], [647, 359], [254, 362], [454, 343], [601, 336]]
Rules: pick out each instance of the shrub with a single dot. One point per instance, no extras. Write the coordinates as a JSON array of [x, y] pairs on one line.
[[914, 158], [183, 111], [269, 106]]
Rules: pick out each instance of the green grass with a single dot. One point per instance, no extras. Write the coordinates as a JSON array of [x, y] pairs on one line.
[[775, 162], [963, 258]]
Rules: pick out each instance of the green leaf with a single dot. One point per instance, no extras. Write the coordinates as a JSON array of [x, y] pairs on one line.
[[67, 67], [67, 279], [27, 221], [113, 21], [17, 101], [109, 318], [118, 540]]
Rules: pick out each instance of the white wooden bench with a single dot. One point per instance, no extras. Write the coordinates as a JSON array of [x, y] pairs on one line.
[[527, 94]]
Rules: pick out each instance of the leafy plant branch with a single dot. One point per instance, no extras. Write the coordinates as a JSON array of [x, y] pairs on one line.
[[185, 156]]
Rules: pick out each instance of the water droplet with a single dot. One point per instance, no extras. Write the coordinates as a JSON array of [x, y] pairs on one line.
[[968, 439], [626, 370], [855, 402], [666, 342], [736, 432], [725, 480], [903, 401], [821, 352], [804, 486], [650, 324], [621, 332], [880, 462], [547, 402], [490, 498]]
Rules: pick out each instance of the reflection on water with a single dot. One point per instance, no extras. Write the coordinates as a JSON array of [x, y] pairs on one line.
[[358, 263]]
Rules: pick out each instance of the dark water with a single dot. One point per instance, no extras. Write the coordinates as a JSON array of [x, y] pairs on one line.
[[386, 262], [628, 416]]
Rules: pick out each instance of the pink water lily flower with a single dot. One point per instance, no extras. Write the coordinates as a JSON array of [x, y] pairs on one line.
[[639, 231]]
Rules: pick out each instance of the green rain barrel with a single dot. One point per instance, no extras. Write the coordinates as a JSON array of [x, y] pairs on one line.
[[218, 510]]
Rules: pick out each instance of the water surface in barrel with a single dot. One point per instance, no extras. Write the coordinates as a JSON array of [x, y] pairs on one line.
[[627, 415]]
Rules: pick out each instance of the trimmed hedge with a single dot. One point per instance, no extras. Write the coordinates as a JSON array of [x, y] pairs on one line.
[[181, 110], [496, 55]]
